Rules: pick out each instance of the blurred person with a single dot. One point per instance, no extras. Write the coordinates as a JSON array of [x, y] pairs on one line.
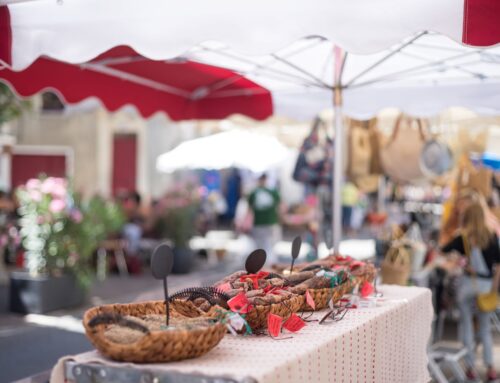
[[350, 199], [451, 220], [232, 194], [479, 252], [264, 204], [133, 228]]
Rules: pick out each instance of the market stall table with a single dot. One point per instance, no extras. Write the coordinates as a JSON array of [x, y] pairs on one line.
[[387, 343]]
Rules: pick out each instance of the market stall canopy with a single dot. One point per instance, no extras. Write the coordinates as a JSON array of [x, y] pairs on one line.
[[234, 148], [421, 76], [78, 30], [181, 88]]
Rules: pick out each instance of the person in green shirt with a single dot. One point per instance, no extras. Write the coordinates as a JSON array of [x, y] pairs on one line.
[[264, 203]]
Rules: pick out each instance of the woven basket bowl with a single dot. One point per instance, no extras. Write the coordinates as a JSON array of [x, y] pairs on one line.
[[321, 297], [257, 316], [366, 273], [155, 346]]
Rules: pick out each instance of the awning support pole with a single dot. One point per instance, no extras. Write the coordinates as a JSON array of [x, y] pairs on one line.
[[338, 150]]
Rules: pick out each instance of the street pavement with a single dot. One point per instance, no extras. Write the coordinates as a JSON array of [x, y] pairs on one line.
[[32, 344]]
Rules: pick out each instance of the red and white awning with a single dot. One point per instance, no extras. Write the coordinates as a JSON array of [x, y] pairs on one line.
[[389, 63], [182, 89], [76, 31]]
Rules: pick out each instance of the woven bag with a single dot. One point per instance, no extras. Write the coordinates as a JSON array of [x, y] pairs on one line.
[[478, 179], [401, 155], [396, 265], [360, 151]]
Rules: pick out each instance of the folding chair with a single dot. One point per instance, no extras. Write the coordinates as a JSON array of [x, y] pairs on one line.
[[442, 356]]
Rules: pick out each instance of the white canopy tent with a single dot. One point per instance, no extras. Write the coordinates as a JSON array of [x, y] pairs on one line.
[[421, 76], [76, 31], [235, 148]]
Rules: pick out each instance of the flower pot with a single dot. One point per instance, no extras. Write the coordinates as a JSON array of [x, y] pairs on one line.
[[41, 294], [183, 259]]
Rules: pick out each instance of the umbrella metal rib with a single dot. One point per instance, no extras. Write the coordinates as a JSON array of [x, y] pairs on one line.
[[389, 77], [385, 58], [136, 79]]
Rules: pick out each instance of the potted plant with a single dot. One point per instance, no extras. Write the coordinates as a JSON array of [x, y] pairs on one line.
[[180, 207], [60, 233], [11, 108]]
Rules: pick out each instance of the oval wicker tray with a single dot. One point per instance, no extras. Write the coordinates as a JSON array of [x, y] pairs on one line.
[[257, 316], [365, 273], [321, 297], [154, 346]]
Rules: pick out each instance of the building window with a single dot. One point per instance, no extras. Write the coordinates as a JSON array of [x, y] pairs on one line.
[[51, 102]]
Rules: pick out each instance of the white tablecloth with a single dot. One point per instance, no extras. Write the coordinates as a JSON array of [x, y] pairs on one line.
[[383, 344]]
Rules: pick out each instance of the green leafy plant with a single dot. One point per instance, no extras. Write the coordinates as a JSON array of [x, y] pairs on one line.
[[179, 210], [11, 107], [60, 231]]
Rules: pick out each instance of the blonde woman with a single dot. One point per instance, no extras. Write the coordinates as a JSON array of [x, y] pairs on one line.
[[478, 245]]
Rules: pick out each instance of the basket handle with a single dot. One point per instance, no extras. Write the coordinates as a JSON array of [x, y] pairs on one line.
[[113, 318]]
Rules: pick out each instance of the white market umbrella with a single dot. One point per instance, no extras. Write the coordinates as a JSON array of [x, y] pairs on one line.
[[235, 148], [421, 76], [78, 30]]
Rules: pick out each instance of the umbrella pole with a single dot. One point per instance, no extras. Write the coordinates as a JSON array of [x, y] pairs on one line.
[[338, 154], [337, 171]]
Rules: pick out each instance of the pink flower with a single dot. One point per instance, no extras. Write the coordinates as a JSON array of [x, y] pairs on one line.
[[76, 215], [33, 183], [54, 186], [35, 195], [57, 205], [59, 191], [47, 185]]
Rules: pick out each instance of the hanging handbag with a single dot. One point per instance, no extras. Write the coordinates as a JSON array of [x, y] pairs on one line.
[[467, 143], [364, 164], [478, 179], [368, 184], [401, 155], [436, 158], [375, 142], [314, 162], [486, 302], [360, 151]]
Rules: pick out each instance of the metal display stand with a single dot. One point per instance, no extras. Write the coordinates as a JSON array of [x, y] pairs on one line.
[[97, 373]]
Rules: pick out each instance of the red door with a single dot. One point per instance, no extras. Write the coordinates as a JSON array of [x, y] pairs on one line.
[[124, 162], [26, 166]]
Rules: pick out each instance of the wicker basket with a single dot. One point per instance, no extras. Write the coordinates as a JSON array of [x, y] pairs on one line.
[[257, 316], [321, 297], [154, 346], [365, 273]]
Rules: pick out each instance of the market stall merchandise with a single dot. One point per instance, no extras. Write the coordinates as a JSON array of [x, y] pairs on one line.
[[386, 343], [136, 332]]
